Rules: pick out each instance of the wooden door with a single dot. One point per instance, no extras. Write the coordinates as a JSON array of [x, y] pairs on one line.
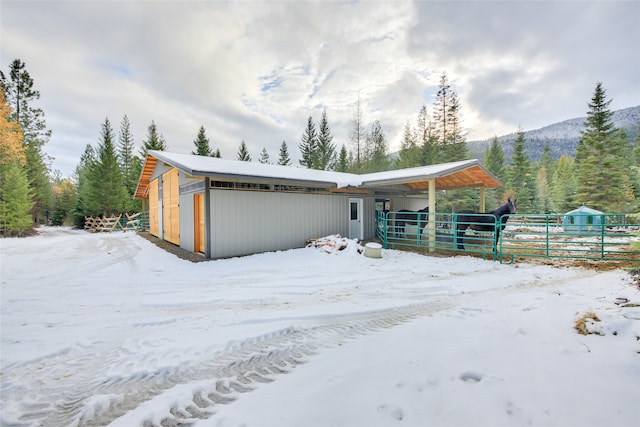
[[171, 207], [198, 221]]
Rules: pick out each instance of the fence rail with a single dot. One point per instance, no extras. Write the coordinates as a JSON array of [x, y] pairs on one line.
[[612, 237], [123, 222]]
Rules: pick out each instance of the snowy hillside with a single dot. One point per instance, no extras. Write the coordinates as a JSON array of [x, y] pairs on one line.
[[562, 137]]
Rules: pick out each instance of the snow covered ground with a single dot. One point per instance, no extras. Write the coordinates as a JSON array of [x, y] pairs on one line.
[[108, 329]]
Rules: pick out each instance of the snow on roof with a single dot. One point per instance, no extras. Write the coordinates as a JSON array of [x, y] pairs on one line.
[[212, 166], [448, 175], [422, 172]]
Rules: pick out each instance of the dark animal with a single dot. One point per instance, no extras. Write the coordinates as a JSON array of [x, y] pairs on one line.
[[405, 216], [484, 222]]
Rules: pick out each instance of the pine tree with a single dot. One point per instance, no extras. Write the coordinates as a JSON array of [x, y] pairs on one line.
[[357, 135], [83, 186], [410, 154], [264, 156], [630, 180], [129, 163], [64, 200], [20, 95], [494, 161], [547, 161], [309, 145], [563, 189], [342, 165], [544, 177], [448, 130], [377, 149], [202, 144], [154, 141], [520, 177], [108, 193], [600, 158], [284, 159], [426, 139], [16, 198], [326, 149], [243, 153]]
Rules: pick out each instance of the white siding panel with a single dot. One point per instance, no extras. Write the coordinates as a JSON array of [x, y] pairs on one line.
[[245, 222]]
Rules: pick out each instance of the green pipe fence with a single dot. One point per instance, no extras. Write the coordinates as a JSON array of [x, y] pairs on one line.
[[611, 237]]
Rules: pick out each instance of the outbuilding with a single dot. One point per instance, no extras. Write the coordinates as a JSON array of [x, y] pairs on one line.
[[583, 220], [223, 208]]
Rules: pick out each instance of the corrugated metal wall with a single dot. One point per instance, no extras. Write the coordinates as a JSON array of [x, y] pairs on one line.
[[245, 222]]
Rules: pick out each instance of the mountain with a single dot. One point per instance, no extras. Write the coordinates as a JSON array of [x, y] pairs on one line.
[[562, 137]]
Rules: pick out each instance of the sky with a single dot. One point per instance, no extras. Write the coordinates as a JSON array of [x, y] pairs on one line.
[[257, 70]]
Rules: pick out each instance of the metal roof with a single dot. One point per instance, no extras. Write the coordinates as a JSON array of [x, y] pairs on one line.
[[463, 174]]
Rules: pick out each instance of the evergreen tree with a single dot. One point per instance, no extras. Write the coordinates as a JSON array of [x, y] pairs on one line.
[[20, 95], [520, 177], [342, 165], [130, 164], [309, 146], [410, 154], [108, 193], [447, 121], [426, 138], [264, 156], [630, 180], [547, 161], [83, 186], [600, 162], [377, 149], [202, 144], [357, 135], [635, 164], [154, 141], [243, 153], [635, 155], [543, 192], [284, 159], [217, 154], [563, 188], [326, 149], [544, 178], [16, 198], [64, 200], [494, 161]]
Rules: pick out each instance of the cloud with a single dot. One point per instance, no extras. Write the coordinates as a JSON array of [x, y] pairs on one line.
[[255, 71]]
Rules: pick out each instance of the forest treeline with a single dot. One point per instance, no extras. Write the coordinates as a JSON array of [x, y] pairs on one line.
[[604, 174]]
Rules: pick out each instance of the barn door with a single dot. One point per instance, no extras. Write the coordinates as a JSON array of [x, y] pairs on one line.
[[198, 221], [355, 219], [171, 206]]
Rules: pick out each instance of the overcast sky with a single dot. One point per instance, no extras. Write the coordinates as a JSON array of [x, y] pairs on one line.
[[256, 70]]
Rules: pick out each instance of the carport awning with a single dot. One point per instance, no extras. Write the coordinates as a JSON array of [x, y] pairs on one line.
[[447, 176]]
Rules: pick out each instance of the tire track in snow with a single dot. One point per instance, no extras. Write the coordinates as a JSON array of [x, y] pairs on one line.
[[201, 384]]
